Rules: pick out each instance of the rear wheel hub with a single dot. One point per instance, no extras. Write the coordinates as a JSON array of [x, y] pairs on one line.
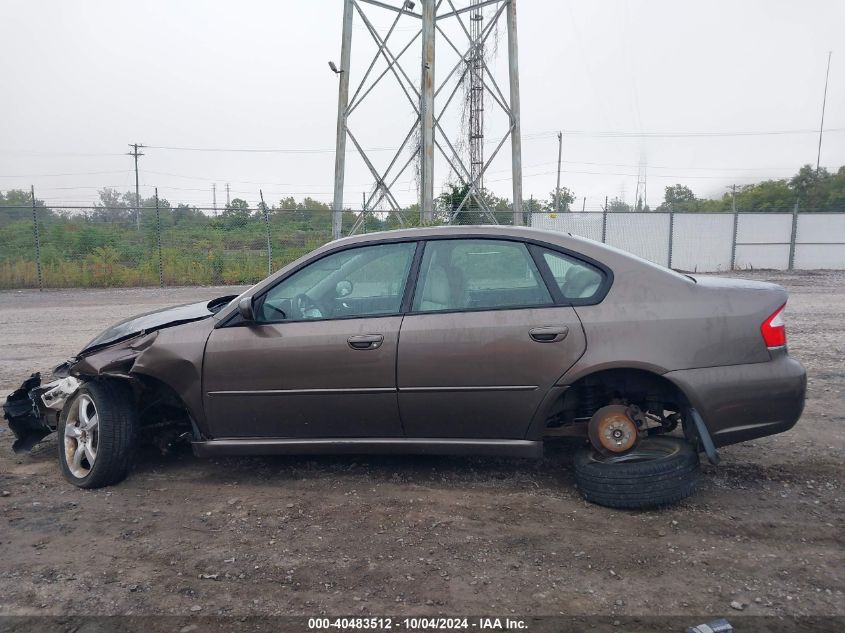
[[611, 430]]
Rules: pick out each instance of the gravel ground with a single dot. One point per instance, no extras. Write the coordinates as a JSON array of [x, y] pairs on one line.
[[420, 535]]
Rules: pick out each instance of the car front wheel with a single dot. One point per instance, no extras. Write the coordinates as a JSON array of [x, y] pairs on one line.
[[96, 434], [658, 471]]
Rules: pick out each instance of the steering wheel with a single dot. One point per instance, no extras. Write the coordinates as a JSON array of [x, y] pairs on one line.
[[302, 303], [278, 311]]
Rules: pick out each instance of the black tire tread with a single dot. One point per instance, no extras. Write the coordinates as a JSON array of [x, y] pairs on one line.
[[117, 432], [655, 483]]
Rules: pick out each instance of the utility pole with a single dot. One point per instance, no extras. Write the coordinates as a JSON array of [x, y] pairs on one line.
[[228, 199], [342, 113], [824, 103], [559, 156], [136, 154], [214, 197]]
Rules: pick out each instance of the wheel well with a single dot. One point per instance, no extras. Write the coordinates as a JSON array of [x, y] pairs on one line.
[[649, 391], [162, 415]]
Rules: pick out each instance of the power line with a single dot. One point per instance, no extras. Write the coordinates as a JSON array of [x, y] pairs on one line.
[[35, 153], [537, 135], [525, 137], [698, 134], [824, 103], [79, 173]]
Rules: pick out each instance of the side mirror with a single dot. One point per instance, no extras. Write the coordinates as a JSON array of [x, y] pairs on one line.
[[343, 288], [245, 309]]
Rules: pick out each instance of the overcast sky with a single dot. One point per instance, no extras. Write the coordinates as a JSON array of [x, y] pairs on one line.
[[82, 79]]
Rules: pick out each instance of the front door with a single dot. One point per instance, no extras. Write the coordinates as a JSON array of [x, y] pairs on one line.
[[484, 342], [320, 358]]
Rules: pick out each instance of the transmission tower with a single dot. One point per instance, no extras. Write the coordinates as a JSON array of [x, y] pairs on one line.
[[641, 197], [421, 96]]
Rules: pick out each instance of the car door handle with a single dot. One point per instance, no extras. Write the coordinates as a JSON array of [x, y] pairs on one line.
[[549, 333], [365, 341]]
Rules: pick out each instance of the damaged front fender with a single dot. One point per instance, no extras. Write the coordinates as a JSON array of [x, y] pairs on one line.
[[158, 351]]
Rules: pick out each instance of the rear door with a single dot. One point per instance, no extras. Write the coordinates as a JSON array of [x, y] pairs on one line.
[[484, 342]]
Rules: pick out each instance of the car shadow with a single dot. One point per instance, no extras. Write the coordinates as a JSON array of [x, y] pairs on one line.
[[555, 468]]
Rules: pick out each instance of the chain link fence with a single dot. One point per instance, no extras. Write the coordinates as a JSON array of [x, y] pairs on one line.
[[181, 245]]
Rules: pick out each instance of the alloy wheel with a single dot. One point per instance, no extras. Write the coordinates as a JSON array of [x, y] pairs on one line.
[[81, 437]]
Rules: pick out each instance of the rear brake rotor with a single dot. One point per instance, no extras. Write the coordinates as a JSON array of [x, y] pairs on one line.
[[611, 430]]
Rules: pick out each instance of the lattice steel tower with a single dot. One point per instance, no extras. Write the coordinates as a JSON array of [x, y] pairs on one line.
[[421, 96]]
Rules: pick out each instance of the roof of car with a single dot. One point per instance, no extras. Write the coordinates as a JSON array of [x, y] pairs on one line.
[[457, 230]]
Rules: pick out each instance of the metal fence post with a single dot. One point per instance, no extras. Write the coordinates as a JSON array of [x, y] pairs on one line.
[[671, 235], [792, 236], [37, 239], [733, 242], [604, 224], [736, 227], [267, 231], [158, 237]]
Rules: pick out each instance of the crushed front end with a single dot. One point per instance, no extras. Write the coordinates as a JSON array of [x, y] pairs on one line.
[[32, 410], [159, 354]]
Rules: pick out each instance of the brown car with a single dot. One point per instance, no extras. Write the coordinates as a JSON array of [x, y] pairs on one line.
[[449, 340]]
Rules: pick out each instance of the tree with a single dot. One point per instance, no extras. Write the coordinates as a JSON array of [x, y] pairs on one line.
[[678, 198], [566, 199], [806, 183], [16, 204], [184, 213], [769, 195], [111, 206], [819, 190], [236, 214], [616, 206], [446, 205]]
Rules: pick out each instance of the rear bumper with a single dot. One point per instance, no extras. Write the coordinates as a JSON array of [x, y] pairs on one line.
[[743, 402]]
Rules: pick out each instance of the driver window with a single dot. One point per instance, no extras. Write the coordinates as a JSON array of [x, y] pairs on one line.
[[368, 280]]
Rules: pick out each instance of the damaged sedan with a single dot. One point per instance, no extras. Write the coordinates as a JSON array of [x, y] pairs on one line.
[[443, 340]]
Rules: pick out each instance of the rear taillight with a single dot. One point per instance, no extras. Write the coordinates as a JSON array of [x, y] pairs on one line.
[[774, 329]]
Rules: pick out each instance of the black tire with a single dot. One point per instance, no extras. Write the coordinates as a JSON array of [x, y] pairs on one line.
[[658, 471], [116, 432]]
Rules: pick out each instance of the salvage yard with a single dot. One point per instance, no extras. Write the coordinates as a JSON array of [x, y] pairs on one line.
[[765, 534]]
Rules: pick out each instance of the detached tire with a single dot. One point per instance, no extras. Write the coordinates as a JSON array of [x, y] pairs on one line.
[[658, 471], [96, 434]]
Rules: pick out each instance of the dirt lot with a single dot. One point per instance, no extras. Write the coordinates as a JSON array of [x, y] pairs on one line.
[[417, 535]]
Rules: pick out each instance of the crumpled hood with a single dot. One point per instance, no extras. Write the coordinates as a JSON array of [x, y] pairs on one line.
[[156, 320]]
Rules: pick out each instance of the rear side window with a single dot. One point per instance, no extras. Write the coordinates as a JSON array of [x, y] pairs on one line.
[[576, 279], [477, 274]]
